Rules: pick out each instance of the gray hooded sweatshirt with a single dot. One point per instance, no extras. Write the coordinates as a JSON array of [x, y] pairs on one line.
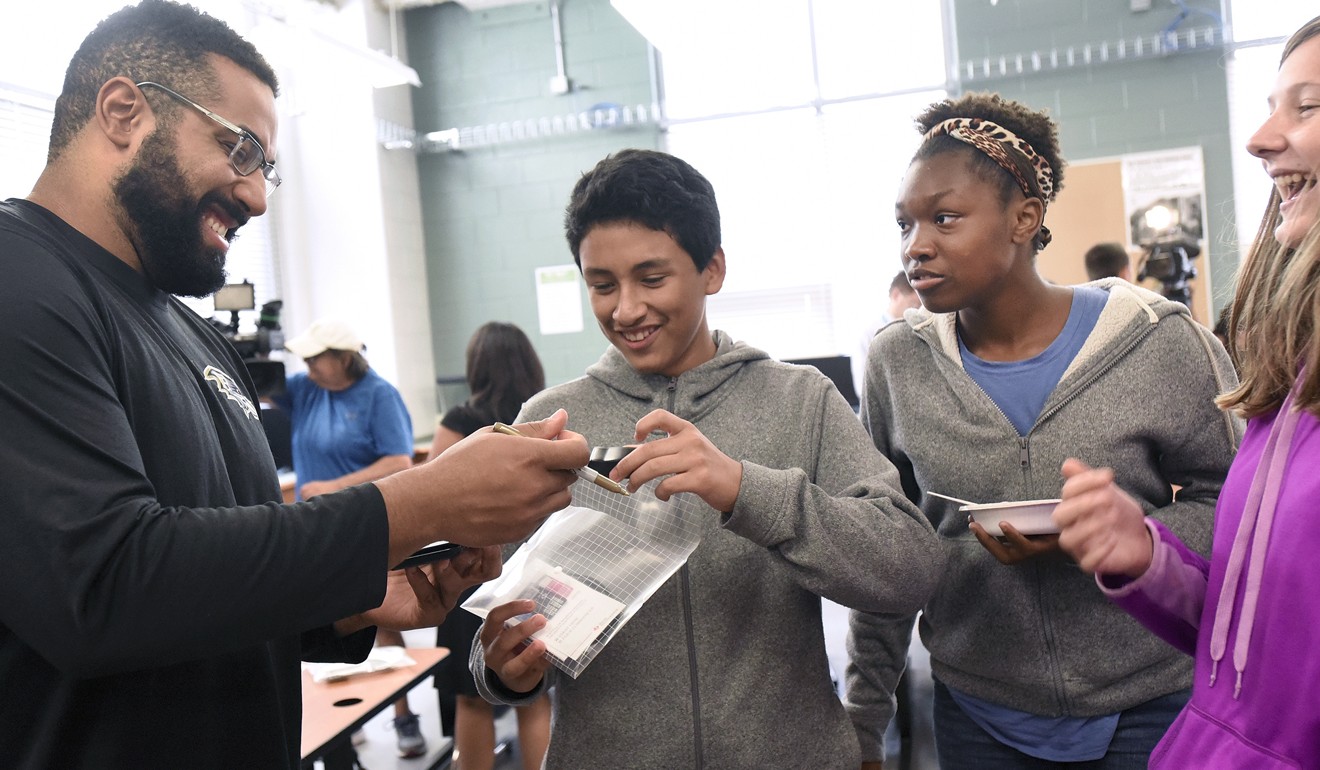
[[725, 666], [1039, 636]]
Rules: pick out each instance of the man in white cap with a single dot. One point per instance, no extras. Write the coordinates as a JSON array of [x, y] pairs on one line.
[[325, 334], [350, 425]]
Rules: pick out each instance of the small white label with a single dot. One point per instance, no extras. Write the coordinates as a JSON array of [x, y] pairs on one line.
[[575, 613]]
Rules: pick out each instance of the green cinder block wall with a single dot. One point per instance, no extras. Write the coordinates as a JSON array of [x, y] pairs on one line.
[[492, 215], [1117, 107]]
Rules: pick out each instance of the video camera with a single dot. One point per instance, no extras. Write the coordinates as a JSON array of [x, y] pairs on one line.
[[1170, 263], [266, 373], [1168, 230]]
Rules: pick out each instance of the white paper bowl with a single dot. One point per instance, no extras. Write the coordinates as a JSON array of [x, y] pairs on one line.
[[1030, 517]]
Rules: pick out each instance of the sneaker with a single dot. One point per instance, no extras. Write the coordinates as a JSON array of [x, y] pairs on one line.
[[411, 742]]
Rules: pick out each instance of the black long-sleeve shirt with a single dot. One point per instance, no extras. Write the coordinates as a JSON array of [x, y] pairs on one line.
[[154, 600]]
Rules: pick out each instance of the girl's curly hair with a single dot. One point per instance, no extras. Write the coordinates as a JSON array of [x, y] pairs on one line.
[[1036, 128]]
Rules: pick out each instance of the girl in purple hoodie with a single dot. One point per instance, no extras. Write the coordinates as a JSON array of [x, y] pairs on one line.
[[1251, 614]]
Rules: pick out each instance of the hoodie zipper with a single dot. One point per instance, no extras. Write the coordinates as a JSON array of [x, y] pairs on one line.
[[1051, 642], [1051, 639], [1024, 464], [1024, 450], [1024, 457], [1097, 374], [685, 588]]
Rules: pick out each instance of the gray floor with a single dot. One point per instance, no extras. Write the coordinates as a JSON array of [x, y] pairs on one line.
[[378, 752]]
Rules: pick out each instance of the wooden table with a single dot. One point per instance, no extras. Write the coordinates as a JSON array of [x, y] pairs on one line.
[[333, 710]]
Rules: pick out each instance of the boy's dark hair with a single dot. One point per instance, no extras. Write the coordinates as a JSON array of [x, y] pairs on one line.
[[1106, 260], [1033, 127], [648, 188], [155, 40]]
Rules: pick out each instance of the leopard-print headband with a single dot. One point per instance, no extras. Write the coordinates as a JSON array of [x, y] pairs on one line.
[[993, 140]]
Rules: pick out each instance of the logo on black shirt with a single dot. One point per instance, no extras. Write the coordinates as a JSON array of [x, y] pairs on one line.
[[230, 389]]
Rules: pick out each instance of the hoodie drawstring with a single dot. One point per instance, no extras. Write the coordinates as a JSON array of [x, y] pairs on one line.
[[1257, 519]]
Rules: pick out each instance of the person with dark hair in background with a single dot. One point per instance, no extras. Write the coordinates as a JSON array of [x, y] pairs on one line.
[[1221, 327], [350, 426], [982, 394], [157, 598], [725, 665], [1108, 260], [901, 297], [1248, 615], [503, 371]]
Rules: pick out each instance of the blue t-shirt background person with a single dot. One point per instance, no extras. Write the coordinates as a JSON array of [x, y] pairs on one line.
[[349, 426]]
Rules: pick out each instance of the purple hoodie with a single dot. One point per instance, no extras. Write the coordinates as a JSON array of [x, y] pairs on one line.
[[1272, 599]]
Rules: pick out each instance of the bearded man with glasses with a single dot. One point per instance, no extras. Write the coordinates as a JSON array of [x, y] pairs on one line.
[[156, 597]]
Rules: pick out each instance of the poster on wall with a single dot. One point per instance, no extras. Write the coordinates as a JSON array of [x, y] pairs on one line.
[[1164, 202], [1164, 194], [558, 299]]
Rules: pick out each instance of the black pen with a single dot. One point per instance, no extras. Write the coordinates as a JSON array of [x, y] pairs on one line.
[[586, 474]]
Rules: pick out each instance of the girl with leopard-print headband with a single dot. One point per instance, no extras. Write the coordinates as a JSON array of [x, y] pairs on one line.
[[982, 394]]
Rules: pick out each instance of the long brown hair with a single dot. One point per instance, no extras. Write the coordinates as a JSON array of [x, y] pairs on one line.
[[1272, 320], [503, 371]]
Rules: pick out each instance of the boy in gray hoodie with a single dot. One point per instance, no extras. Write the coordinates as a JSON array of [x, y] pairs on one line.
[[725, 666]]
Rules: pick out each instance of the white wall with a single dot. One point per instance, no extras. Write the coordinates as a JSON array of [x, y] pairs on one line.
[[350, 224], [348, 216]]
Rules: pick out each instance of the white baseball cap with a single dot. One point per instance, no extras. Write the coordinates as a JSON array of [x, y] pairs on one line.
[[325, 334]]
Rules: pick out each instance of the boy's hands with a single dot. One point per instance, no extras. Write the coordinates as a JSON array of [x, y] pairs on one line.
[[696, 465], [517, 659]]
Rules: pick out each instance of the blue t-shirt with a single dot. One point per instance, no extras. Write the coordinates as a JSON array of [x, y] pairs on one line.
[[339, 432], [1054, 739], [1020, 390]]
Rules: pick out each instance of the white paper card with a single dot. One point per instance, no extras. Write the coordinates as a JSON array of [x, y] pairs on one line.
[[575, 613], [384, 658]]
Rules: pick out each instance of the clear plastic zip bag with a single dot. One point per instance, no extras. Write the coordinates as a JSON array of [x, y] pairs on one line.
[[591, 566]]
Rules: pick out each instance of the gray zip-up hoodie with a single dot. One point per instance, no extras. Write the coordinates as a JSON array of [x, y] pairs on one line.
[[725, 666], [1039, 636]]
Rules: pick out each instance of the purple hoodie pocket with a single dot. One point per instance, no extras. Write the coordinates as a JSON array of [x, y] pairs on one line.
[[1197, 739]]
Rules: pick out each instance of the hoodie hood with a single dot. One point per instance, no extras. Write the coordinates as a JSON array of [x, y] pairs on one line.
[[1128, 309], [694, 390]]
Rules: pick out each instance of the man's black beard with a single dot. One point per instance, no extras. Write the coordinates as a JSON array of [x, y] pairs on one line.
[[153, 196]]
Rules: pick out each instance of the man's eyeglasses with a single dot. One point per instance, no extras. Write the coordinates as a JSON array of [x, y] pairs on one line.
[[246, 155]]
